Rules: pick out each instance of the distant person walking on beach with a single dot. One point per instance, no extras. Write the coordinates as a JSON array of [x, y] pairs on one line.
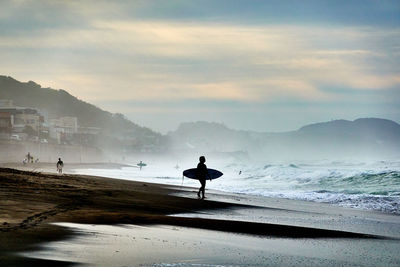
[[202, 174], [60, 165], [29, 157]]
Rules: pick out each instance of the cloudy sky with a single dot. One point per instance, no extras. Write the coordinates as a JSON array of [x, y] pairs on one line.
[[254, 65]]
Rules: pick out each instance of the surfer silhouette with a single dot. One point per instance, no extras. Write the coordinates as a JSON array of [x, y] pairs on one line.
[[202, 174]]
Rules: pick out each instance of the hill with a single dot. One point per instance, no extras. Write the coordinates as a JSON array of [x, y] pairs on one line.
[[362, 138], [59, 103]]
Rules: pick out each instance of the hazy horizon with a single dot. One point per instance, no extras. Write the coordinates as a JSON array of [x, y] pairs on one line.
[[266, 66], [218, 122]]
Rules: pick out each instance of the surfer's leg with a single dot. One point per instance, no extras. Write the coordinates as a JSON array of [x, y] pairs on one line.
[[203, 187]]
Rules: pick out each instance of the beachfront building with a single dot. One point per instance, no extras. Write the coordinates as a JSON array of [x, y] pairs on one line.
[[20, 119]]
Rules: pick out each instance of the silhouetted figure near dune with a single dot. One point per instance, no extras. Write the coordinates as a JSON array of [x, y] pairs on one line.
[[202, 174]]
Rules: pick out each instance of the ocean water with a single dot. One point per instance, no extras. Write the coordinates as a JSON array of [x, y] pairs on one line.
[[362, 185]]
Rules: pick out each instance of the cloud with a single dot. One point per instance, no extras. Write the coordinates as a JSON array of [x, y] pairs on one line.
[[147, 60], [375, 81]]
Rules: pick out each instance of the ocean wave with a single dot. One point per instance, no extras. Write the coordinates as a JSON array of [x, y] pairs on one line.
[[361, 201], [374, 186]]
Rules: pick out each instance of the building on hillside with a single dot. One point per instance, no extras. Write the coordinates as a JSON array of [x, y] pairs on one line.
[[28, 117], [5, 103], [89, 130], [24, 121], [67, 124], [70, 124], [63, 129], [87, 135], [5, 125]]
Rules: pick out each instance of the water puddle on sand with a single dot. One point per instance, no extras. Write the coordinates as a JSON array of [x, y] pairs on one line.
[[160, 245]]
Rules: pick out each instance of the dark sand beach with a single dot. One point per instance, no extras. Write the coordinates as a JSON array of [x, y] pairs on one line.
[[155, 225]]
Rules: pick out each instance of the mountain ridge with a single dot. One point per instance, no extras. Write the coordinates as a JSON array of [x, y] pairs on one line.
[[31, 94], [362, 137]]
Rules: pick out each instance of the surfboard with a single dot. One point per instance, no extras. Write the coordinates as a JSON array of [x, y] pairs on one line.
[[141, 164], [191, 173]]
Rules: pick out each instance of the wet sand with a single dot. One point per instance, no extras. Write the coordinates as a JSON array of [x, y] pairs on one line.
[[30, 202], [164, 245], [50, 167]]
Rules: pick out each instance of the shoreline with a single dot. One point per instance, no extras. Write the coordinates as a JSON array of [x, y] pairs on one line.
[[32, 200], [51, 166], [114, 170]]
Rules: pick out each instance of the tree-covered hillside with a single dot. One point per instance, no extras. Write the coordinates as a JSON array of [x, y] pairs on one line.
[[59, 103]]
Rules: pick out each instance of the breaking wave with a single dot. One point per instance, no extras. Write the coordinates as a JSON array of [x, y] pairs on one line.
[[356, 185]]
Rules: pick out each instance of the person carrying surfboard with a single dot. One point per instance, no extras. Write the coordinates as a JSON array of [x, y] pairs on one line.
[[202, 174], [60, 165]]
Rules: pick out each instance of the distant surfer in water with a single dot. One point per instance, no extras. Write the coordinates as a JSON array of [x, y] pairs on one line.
[[202, 174]]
